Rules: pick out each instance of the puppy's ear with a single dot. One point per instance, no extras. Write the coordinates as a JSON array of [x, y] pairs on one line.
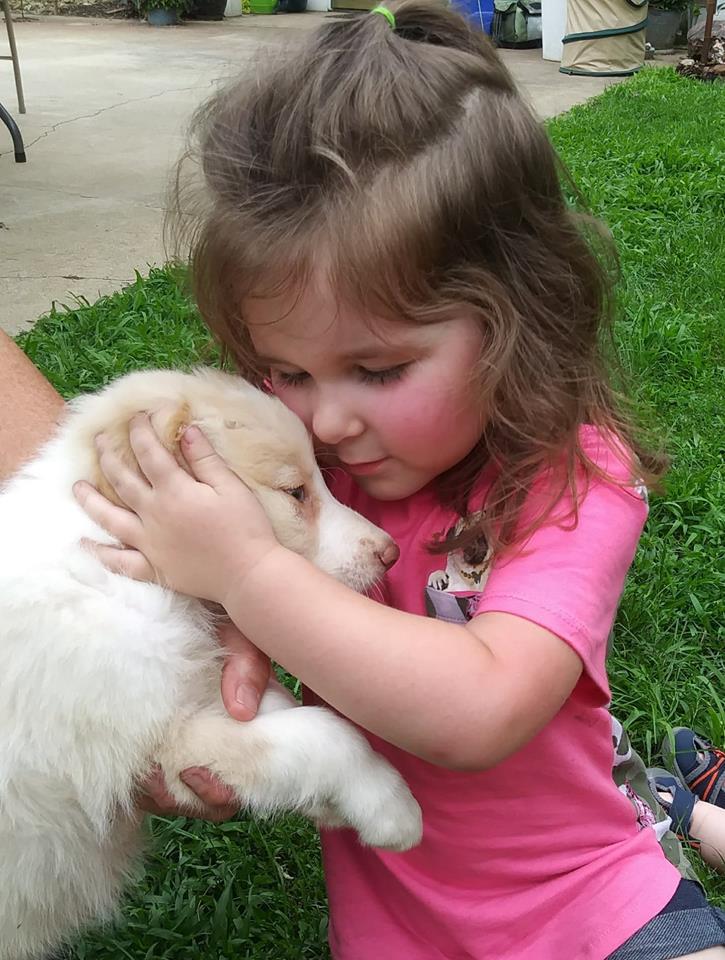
[[168, 420]]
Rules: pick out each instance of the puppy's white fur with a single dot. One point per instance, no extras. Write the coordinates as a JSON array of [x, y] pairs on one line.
[[102, 676]]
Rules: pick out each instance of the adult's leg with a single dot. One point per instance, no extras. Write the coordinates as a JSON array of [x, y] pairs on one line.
[[713, 953]]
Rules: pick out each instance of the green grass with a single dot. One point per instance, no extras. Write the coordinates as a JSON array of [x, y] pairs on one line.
[[648, 157], [150, 323]]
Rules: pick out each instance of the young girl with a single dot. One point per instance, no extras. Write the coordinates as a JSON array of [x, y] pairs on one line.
[[387, 246]]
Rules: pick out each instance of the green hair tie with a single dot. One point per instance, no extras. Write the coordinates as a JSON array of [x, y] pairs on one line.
[[388, 14]]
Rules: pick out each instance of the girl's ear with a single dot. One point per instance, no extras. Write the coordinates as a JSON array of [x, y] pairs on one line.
[[168, 420]]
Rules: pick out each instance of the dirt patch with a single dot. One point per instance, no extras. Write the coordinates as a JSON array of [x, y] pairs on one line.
[[115, 9], [693, 66]]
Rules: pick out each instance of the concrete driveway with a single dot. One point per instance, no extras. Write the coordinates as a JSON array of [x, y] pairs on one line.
[[107, 105]]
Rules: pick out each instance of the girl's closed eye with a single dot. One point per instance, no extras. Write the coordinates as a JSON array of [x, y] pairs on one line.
[[290, 378], [387, 375]]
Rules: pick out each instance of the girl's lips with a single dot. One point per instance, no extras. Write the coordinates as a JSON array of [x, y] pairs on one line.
[[364, 469]]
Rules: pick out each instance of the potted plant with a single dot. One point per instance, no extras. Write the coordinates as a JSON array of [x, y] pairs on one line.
[[206, 10], [162, 13], [664, 20]]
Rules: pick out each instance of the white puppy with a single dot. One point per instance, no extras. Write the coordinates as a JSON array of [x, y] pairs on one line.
[[101, 676]]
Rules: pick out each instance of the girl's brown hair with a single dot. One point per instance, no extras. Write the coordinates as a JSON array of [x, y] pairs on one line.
[[408, 156]]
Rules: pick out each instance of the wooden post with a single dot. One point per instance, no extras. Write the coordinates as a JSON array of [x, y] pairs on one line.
[[707, 37]]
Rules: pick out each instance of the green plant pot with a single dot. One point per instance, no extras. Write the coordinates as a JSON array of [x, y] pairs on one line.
[[161, 17], [262, 6], [662, 27]]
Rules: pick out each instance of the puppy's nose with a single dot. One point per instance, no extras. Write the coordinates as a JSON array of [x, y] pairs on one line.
[[389, 555]]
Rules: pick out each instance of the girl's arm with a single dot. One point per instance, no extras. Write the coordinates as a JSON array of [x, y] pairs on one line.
[[464, 697], [460, 696]]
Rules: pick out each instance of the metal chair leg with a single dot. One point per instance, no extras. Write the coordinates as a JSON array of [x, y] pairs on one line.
[[12, 126], [14, 54]]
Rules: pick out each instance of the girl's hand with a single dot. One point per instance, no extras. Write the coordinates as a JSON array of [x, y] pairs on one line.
[[245, 676], [197, 532]]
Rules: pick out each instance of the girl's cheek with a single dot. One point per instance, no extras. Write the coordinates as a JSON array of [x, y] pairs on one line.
[[408, 410], [294, 400], [432, 411]]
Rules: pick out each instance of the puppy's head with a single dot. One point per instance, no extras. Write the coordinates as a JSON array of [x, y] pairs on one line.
[[265, 444]]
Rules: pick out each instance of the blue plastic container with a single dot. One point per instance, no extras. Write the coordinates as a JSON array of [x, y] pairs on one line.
[[159, 17], [479, 12]]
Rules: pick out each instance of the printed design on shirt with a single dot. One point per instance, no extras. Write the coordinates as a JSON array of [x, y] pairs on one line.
[[640, 488], [452, 593], [620, 744], [643, 812]]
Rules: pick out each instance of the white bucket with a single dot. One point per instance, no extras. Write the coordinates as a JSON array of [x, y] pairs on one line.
[[553, 25], [319, 6], [233, 8]]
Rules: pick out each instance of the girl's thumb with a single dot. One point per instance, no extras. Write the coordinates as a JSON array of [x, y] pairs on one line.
[[203, 460]]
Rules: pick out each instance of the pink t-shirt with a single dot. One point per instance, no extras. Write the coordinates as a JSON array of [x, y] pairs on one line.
[[540, 857]]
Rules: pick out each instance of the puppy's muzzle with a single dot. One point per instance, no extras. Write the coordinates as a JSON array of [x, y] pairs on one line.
[[389, 555]]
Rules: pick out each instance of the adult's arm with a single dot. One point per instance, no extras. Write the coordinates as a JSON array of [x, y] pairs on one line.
[[29, 407]]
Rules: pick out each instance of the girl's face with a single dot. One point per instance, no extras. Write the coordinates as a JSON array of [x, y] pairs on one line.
[[394, 403]]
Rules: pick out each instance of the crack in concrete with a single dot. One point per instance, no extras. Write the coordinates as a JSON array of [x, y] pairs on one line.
[[112, 106], [66, 276], [43, 188]]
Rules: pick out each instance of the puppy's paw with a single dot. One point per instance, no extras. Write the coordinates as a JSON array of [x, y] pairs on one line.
[[326, 816], [439, 580], [397, 825]]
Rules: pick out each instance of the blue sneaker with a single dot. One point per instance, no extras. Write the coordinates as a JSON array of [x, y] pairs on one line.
[[698, 764]]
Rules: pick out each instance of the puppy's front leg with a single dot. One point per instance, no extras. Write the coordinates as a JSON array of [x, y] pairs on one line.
[[306, 760]]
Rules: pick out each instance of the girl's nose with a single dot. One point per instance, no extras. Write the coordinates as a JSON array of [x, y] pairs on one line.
[[333, 421]]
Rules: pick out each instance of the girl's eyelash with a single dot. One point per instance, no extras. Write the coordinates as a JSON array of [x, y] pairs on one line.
[[291, 379], [378, 377], [383, 376]]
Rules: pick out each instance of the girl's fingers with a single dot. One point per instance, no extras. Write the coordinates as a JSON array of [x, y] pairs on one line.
[[121, 560], [121, 524], [128, 483], [203, 460], [245, 675], [154, 460]]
